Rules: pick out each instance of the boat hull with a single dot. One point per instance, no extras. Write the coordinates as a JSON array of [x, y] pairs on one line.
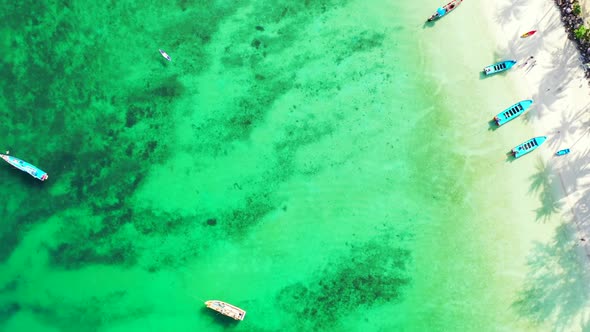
[[445, 10], [513, 112], [499, 67], [165, 55], [528, 146], [562, 152], [226, 309], [25, 167]]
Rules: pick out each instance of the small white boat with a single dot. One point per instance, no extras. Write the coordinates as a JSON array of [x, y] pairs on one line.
[[226, 309], [165, 55]]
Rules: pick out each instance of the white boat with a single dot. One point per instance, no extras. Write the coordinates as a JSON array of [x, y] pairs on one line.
[[226, 309], [165, 55]]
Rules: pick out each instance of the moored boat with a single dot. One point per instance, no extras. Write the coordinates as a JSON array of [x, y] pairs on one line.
[[442, 11], [165, 55], [25, 167], [499, 67], [226, 309], [528, 146], [562, 152], [512, 112]]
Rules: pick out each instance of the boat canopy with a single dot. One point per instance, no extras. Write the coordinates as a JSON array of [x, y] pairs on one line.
[[441, 11]]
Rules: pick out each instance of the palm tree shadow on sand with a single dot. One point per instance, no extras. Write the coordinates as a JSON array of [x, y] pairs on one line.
[[522, 48], [569, 124], [555, 288], [511, 10], [543, 182], [575, 166], [551, 88], [526, 117]]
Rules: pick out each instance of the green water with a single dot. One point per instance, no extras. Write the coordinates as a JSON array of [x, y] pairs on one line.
[[295, 158]]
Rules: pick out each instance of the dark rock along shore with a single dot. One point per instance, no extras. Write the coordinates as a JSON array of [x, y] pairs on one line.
[[571, 22]]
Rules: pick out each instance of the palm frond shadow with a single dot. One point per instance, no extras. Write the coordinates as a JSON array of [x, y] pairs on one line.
[[543, 182], [528, 116], [508, 52], [569, 129], [566, 127], [526, 47], [575, 167], [549, 206], [541, 177], [551, 86], [581, 209], [510, 11], [555, 287], [569, 123], [522, 48]]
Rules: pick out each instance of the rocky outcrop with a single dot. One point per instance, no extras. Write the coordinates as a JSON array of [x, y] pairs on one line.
[[572, 21]]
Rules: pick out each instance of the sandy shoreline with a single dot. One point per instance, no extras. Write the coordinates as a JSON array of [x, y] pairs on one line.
[[554, 79], [561, 93]]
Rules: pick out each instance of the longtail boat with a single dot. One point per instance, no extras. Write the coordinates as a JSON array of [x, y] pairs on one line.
[[442, 11], [512, 112], [25, 167], [498, 67], [528, 146]]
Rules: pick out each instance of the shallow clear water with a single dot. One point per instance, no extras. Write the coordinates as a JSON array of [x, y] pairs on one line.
[[302, 160]]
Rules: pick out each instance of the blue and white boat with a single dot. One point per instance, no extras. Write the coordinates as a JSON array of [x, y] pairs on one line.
[[498, 67], [562, 152], [528, 146], [513, 111], [25, 167]]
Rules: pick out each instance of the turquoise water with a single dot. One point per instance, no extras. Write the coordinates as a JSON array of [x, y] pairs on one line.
[[299, 159]]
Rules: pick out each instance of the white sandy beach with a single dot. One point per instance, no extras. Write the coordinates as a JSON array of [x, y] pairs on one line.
[[554, 79], [562, 113]]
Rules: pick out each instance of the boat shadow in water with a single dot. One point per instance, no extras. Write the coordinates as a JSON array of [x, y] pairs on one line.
[[483, 76], [219, 318], [510, 157], [492, 125], [24, 180], [428, 24]]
